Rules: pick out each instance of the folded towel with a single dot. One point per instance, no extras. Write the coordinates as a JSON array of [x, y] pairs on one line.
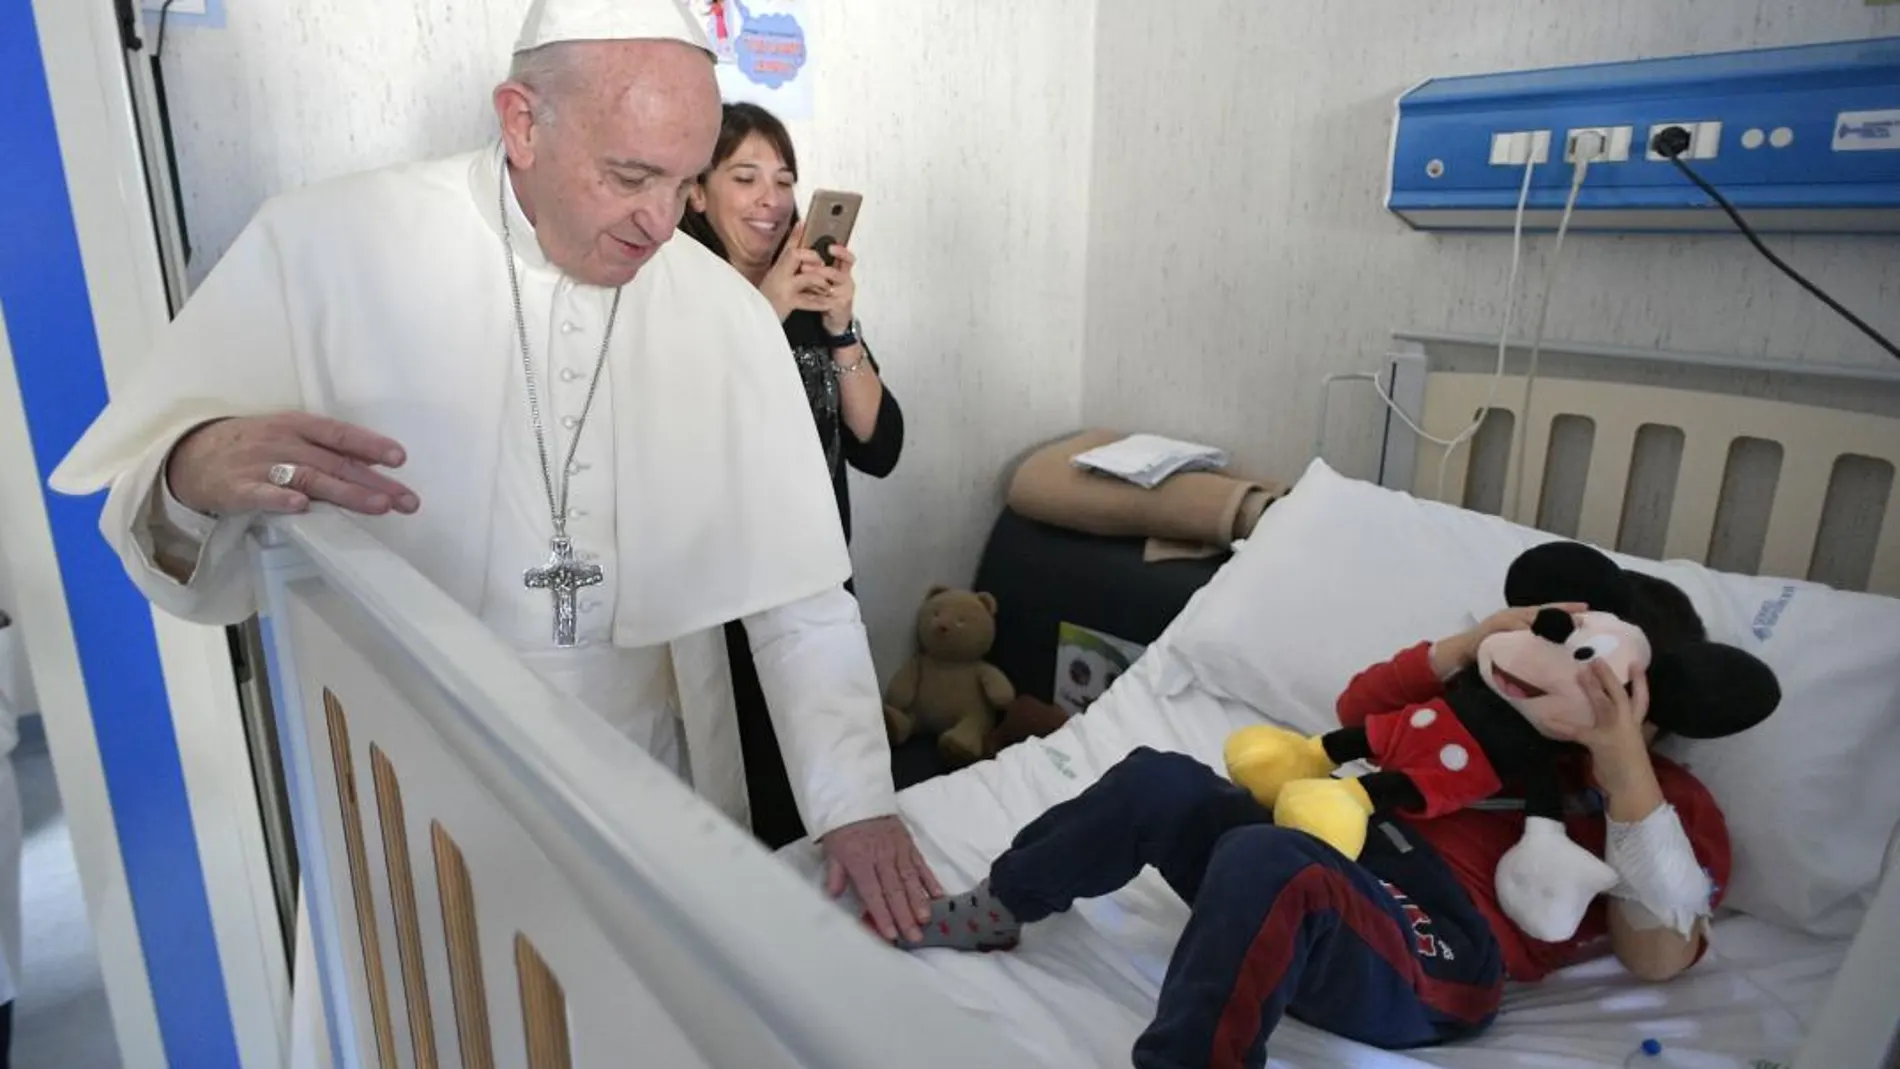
[[1193, 513]]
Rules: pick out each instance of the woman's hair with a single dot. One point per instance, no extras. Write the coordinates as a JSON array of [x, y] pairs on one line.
[[738, 122]]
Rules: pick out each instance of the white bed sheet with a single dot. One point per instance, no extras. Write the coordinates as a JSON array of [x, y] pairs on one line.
[[1083, 984]]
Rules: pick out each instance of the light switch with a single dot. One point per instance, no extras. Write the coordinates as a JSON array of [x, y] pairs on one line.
[[1708, 140], [1540, 147], [1620, 139], [1511, 149]]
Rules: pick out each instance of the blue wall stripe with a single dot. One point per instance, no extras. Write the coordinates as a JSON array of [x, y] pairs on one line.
[[62, 386]]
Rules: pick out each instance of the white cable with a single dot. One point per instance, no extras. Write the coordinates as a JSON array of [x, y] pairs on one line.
[[1510, 302], [1589, 147], [1504, 339], [1515, 495]]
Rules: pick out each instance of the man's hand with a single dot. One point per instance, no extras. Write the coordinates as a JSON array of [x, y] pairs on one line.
[[877, 859], [224, 467], [1459, 652]]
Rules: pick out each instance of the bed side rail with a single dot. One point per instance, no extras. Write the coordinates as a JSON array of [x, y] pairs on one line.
[[496, 878]]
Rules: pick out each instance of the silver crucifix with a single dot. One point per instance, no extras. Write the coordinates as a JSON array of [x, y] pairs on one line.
[[565, 576]]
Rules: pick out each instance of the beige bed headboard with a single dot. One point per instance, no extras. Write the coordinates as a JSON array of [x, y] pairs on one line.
[[1743, 483]]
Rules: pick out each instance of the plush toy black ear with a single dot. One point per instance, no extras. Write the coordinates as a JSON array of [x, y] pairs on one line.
[[1567, 571], [1707, 690]]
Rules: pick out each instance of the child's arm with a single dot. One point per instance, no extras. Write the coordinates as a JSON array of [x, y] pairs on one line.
[[1668, 843], [1418, 675], [1648, 947], [1406, 680]]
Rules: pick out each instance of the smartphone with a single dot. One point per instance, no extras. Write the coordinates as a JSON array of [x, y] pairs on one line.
[[830, 221]]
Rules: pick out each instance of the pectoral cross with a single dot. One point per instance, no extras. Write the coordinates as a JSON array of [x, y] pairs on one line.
[[565, 576]]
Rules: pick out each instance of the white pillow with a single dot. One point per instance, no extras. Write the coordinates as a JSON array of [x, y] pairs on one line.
[[1342, 573]]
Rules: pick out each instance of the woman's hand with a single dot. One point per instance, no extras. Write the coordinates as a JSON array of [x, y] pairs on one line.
[[791, 285], [1459, 652], [839, 290]]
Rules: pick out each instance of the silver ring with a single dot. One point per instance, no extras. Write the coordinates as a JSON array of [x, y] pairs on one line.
[[281, 474]]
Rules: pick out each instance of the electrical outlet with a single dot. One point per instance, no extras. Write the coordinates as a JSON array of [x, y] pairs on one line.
[[1540, 147], [1615, 143], [179, 7], [1705, 140]]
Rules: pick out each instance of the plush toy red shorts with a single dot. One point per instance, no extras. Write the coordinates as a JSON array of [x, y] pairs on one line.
[[1436, 752]]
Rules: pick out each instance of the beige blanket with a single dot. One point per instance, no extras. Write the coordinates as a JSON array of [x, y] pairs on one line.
[[1193, 514]]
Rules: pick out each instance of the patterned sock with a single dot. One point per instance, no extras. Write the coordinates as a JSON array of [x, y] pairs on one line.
[[973, 920]]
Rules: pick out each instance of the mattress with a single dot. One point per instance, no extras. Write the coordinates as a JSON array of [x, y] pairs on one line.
[[1083, 985]]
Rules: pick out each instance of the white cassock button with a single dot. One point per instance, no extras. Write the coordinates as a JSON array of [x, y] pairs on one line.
[[569, 422], [589, 606], [574, 467], [568, 374], [576, 513], [568, 327], [1454, 757], [1424, 718]]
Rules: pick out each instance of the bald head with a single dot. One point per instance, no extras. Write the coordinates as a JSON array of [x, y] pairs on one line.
[[603, 139]]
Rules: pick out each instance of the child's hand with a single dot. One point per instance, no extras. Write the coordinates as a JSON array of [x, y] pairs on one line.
[[1459, 652], [1618, 713]]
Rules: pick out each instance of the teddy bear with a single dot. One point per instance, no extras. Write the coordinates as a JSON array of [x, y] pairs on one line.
[[947, 689], [1499, 722]]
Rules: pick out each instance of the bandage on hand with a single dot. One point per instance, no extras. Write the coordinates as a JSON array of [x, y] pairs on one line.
[[1659, 872]]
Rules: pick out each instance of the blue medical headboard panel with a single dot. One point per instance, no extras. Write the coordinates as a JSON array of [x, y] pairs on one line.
[[1799, 139]]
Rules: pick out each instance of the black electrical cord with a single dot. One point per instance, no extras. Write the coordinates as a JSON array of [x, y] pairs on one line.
[[164, 16], [163, 100], [1672, 147]]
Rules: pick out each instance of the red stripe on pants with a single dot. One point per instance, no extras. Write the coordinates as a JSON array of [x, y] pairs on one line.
[[1315, 889]]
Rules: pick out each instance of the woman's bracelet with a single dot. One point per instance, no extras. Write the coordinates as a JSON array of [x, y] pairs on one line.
[[854, 366]]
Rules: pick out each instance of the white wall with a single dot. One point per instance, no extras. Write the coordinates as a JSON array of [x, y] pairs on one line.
[[1194, 200], [965, 122], [1239, 250]]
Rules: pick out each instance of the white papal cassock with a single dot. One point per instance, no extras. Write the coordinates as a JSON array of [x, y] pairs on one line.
[[698, 482]]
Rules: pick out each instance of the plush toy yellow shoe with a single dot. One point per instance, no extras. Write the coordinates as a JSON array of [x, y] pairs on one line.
[[1264, 758], [1335, 811]]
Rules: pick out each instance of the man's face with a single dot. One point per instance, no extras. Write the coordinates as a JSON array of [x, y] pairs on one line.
[[606, 180]]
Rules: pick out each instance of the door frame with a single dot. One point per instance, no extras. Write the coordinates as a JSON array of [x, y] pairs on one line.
[[220, 941]]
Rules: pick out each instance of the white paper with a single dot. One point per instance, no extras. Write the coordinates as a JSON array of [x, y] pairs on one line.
[[1148, 459]]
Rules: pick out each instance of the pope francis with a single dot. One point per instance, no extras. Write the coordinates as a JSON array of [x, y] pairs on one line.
[[591, 436]]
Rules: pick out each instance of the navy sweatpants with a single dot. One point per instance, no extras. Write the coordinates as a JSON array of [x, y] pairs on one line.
[[1387, 951]]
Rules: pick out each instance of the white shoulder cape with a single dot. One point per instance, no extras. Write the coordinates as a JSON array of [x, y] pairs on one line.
[[382, 299]]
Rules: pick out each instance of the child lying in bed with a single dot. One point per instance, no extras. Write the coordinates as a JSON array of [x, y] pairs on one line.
[[1405, 947]]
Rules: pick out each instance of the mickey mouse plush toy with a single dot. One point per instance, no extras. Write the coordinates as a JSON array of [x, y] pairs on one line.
[[1506, 713]]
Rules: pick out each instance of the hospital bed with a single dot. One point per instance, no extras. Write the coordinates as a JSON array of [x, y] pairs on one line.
[[495, 878]]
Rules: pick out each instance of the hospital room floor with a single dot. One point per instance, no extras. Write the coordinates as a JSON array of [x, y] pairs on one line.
[[62, 1020]]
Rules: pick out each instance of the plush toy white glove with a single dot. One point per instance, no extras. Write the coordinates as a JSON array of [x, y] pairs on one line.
[[1546, 882], [1659, 872]]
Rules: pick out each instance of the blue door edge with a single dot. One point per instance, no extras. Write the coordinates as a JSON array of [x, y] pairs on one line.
[[44, 292]]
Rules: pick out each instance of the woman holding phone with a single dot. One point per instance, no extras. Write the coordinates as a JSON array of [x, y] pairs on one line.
[[744, 209]]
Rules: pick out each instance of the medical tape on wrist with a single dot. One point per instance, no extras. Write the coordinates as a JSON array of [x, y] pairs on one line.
[[1660, 872]]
